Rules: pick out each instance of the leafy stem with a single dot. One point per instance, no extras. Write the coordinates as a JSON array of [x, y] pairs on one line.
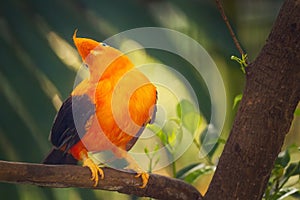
[[242, 61]]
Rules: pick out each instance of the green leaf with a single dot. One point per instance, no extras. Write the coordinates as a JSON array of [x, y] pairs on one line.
[[210, 141], [285, 192], [188, 115], [153, 127], [162, 136], [236, 100], [191, 121], [277, 173], [173, 132], [184, 107], [193, 175], [146, 150], [242, 61], [156, 148], [172, 138], [283, 158], [297, 112], [193, 171], [184, 170], [161, 133], [293, 169]]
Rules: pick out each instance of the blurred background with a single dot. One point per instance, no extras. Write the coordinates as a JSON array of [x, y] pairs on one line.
[[39, 65]]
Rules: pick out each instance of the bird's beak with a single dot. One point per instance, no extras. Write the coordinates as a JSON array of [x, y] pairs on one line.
[[84, 45]]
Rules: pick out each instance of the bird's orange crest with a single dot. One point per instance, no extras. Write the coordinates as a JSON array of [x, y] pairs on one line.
[[84, 45]]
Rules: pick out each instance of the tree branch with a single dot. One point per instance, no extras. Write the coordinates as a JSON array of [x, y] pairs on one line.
[[62, 176], [232, 34]]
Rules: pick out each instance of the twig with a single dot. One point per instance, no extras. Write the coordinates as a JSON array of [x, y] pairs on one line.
[[62, 176], [235, 40]]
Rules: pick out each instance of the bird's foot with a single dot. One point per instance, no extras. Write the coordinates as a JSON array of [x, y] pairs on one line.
[[139, 173], [95, 169], [145, 178]]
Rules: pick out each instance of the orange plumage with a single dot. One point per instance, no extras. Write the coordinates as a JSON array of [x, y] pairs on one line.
[[107, 111]]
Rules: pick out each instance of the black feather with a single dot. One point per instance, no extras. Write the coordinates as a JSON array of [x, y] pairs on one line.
[[66, 131], [57, 156]]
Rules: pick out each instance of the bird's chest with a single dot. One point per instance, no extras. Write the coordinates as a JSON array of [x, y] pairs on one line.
[[122, 108], [112, 125]]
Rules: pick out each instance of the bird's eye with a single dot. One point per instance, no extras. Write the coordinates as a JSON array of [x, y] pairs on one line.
[[85, 65], [104, 44]]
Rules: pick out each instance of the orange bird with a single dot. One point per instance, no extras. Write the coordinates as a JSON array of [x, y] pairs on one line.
[[107, 111]]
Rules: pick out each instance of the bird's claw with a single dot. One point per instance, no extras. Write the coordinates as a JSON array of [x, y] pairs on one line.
[[145, 178], [95, 170]]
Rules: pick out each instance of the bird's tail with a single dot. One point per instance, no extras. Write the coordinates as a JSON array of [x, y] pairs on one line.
[[57, 156]]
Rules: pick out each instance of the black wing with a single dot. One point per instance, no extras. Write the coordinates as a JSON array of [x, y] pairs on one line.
[[67, 131], [57, 156]]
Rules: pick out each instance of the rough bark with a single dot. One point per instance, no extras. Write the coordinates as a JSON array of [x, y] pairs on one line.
[[61, 176], [265, 114]]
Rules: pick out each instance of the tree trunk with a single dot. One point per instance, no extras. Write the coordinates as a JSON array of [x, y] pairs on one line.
[[265, 114]]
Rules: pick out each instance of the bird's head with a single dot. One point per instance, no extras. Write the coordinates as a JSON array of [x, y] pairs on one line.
[[86, 46], [100, 57]]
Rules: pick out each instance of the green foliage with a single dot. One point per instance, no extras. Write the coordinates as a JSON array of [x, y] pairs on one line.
[[171, 134], [283, 159], [210, 141], [190, 119], [242, 61], [297, 112], [279, 186], [192, 172], [181, 173], [153, 158], [237, 99]]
